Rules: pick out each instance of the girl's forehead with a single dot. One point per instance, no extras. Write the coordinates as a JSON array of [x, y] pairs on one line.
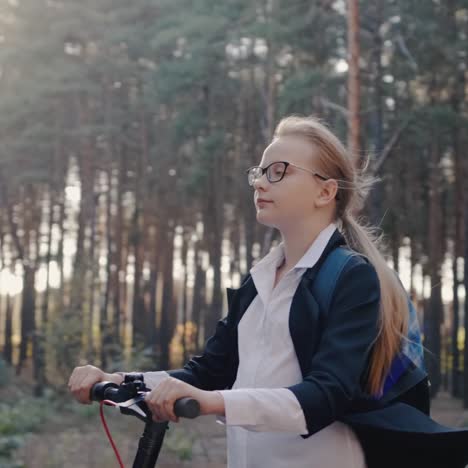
[[289, 148]]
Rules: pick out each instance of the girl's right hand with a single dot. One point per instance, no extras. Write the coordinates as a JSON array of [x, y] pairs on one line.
[[84, 377]]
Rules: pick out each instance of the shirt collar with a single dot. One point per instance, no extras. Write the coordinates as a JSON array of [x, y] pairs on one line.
[[275, 257]]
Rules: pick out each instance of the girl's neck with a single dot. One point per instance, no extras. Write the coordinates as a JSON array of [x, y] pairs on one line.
[[296, 242]]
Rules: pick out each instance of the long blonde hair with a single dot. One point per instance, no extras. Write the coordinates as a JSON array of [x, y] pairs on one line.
[[353, 186]]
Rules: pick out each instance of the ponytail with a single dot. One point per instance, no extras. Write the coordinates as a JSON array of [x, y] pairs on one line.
[[353, 187], [394, 313]]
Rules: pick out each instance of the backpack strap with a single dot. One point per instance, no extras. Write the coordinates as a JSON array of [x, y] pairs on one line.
[[324, 284], [404, 374]]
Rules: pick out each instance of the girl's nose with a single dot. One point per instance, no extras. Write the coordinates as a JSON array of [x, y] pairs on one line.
[[260, 182]]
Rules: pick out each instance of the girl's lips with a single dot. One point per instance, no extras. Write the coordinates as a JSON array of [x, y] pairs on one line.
[[263, 202]]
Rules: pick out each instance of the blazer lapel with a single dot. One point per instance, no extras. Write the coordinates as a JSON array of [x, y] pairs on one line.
[[240, 299], [305, 319]]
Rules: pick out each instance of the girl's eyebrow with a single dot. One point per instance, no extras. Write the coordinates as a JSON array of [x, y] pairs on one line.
[[275, 161]]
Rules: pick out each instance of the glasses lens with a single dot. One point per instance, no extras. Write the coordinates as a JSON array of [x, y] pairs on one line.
[[254, 174], [276, 171]]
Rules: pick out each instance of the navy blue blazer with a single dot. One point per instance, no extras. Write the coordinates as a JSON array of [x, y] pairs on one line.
[[333, 354]]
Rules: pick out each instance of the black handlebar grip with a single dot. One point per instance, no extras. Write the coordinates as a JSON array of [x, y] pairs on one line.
[[187, 408], [101, 390]]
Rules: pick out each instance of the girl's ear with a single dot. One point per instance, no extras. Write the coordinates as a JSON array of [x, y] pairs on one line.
[[327, 193]]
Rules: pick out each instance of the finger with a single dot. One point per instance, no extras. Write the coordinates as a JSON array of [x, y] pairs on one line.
[[167, 399], [75, 388], [84, 396], [70, 379], [158, 418], [83, 391], [73, 377], [169, 409], [80, 375], [150, 400], [159, 400]]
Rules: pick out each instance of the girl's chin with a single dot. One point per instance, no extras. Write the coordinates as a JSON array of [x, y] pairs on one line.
[[264, 220]]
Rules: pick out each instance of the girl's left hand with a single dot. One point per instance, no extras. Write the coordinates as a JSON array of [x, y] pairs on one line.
[[161, 399]]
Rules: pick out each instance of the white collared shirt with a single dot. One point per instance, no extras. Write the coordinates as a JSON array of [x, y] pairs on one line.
[[264, 421]]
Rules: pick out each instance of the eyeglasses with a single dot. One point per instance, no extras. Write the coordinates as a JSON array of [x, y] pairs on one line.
[[275, 172]]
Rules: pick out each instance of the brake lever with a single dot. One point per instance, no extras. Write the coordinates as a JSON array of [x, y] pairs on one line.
[[135, 406], [132, 401]]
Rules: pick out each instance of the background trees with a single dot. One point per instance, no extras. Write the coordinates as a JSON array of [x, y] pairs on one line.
[[126, 128]]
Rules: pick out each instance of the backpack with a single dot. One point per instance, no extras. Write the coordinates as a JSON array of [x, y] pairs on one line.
[[411, 354]]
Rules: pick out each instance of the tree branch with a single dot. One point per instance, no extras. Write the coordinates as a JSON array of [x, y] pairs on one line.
[[390, 145]]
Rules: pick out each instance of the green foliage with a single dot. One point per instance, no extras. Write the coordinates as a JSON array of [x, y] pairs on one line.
[[7, 445], [62, 348], [18, 418], [179, 442], [5, 374], [296, 87], [84, 412], [25, 415], [199, 85], [139, 358]]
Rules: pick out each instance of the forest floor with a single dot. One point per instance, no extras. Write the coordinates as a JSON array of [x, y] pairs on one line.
[[74, 438], [78, 441], [448, 411]]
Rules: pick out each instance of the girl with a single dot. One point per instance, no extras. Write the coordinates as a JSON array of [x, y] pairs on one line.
[[296, 384]]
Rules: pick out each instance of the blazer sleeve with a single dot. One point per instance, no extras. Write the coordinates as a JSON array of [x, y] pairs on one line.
[[337, 367], [214, 369]]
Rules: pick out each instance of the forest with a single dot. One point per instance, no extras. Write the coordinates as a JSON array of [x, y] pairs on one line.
[[126, 129]]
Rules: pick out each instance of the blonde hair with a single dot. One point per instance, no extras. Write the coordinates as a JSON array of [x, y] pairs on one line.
[[335, 162]]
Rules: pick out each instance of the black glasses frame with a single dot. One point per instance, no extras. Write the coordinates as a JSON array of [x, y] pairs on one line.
[[286, 164]]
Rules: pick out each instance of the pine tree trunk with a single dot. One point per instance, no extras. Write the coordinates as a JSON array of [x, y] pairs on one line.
[[140, 313], [354, 93], [434, 313], [119, 254], [8, 347], [42, 332], [28, 316], [199, 294], [465, 324], [28, 295], [376, 200], [167, 310], [458, 97], [184, 254], [155, 268]]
